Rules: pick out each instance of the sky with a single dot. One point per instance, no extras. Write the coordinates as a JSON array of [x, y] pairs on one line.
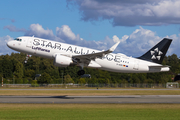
[[97, 24]]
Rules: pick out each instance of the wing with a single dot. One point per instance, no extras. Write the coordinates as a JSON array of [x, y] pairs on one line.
[[89, 57]]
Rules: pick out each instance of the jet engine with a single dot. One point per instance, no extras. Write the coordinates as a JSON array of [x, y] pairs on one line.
[[62, 61]]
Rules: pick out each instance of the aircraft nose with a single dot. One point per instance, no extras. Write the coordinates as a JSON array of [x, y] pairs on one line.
[[10, 44]]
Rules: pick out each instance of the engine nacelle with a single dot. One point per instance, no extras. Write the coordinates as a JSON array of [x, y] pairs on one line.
[[62, 61]]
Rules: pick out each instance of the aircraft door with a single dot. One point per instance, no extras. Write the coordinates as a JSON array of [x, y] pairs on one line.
[[29, 43], [136, 65]]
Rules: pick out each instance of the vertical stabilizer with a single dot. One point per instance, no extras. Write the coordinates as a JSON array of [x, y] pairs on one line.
[[157, 53]]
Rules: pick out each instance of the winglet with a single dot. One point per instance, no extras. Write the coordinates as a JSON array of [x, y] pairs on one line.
[[114, 47]]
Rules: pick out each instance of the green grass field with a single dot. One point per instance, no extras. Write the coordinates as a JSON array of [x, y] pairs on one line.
[[90, 111]]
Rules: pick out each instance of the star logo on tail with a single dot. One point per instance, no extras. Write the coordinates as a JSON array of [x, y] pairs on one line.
[[156, 54]]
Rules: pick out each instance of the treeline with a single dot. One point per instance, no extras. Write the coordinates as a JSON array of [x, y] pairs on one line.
[[14, 70]]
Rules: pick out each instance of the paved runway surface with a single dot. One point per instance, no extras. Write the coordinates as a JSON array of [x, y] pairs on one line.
[[92, 99]]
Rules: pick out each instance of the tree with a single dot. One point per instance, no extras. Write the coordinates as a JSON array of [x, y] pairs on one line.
[[44, 79], [173, 61], [81, 81], [36, 63], [18, 70], [68, 79], [7, 67], [29, 73], [25, 73]]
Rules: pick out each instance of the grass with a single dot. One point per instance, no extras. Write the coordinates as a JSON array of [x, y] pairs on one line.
[[90, 111], [88, 92]]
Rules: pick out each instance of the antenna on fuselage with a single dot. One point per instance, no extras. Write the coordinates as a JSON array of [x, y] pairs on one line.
[[33, 36]]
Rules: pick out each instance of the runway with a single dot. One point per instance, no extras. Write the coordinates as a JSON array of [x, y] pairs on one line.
[[128, 99]]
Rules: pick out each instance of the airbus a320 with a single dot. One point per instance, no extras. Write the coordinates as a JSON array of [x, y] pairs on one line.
[[66, 55]]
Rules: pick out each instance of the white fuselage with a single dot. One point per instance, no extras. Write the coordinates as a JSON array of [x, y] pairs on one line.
[[110, 62]]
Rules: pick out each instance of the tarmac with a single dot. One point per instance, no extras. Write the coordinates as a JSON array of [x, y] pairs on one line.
[[124, 99]]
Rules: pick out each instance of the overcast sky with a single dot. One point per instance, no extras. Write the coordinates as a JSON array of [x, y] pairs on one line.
[[98, 24]]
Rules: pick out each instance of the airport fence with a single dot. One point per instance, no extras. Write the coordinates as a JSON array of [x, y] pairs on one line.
[[144, 85]]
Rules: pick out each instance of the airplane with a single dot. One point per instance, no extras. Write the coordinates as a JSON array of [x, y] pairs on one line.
[[68, 55]]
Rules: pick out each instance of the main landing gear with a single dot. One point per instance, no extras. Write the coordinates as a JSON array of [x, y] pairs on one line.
[[81, 72]]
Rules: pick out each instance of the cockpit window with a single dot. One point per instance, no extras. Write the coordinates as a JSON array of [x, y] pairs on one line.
[[17, 39]]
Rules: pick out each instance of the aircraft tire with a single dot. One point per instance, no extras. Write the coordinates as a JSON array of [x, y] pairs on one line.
[[81, 72]]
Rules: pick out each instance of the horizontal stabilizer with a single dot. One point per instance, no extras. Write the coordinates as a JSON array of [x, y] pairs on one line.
[[163, 66]]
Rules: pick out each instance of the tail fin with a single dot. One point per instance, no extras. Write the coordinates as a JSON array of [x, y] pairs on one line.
[[157, 53]]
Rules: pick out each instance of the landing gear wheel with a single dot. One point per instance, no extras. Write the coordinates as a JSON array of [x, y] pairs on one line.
[[81, 72]]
